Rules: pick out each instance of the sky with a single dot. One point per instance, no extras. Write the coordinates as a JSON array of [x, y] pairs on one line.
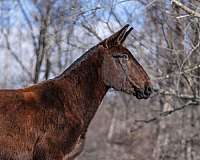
[[15, 21]]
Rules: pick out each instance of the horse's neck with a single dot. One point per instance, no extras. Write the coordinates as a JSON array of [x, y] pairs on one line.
[[83, 86]]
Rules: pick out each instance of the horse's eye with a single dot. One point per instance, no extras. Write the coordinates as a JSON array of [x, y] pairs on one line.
[[124, 56]]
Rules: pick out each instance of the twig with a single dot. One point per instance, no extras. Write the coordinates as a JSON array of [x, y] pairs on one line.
[[183, 63], [29, 23], [16, 57], [186, 9], [183, 16], [163, 114], [167, 76], [90, 30], [181, 96]]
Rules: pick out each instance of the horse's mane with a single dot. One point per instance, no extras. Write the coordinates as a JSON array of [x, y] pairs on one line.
[[78, 61]]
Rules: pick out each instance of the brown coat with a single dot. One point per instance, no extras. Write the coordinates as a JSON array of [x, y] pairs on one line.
[[48, 121]]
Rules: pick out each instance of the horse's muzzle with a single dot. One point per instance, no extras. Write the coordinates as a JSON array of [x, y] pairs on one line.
[[144, 93]]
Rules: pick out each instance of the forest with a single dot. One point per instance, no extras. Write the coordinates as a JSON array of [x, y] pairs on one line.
[[41, 38]]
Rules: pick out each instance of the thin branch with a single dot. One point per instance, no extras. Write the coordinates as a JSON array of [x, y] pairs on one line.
[[181, 96], [183, 63], [163, 114], [186, 9], [28, 23], [16, 57], [167, 76], [92, 31]]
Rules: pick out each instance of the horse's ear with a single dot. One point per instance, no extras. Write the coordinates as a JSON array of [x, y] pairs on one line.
[[126, 34], [117, 38]]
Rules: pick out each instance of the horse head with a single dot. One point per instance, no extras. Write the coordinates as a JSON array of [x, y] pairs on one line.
[[120, 70]]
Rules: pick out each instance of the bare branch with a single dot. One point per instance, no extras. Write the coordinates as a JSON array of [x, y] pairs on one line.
[[181, 96], [28, 23], [163, 114], [16, 57], [90, 30], [186, 9]]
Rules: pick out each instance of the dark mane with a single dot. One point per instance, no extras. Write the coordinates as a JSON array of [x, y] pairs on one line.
[[78, 61]]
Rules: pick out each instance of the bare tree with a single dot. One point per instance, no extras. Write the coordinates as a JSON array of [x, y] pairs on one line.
[[47, 36]]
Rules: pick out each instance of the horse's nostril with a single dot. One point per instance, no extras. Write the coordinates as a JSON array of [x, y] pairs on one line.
[[148, 90], [143, 93], [139, 94]]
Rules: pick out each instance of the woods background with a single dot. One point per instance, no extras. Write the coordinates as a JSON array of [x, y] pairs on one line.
[[40, 38]]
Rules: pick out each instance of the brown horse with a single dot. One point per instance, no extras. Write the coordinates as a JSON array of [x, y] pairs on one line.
[[49, 120]]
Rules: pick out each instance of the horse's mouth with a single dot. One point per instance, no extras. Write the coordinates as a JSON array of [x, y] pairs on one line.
[[142, 93], [141, 96], [138, 93]]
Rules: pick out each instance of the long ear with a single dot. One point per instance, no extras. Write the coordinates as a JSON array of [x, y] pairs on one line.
[[126, 34], [117, 38]]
